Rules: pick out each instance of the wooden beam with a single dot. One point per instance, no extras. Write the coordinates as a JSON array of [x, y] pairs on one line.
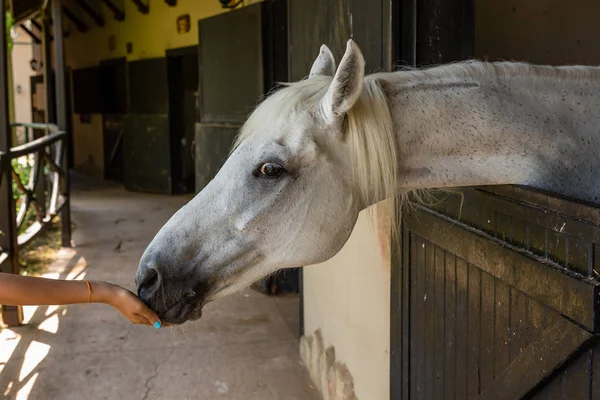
[[117, 12], [30, 33], [50, 109], [143, 8], [98, 19], [11, 315], [61, 117], [537, 361], [81, 26], [37, 25]]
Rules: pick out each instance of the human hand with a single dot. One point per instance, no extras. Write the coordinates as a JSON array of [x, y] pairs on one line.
[[126, 303]]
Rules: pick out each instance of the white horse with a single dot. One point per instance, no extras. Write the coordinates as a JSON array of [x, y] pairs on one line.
[[317, 152]]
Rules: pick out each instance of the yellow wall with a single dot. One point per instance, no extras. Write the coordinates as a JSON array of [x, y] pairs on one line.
[[151, 35]]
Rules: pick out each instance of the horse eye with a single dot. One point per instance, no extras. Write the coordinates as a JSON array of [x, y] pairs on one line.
[[271, 170]]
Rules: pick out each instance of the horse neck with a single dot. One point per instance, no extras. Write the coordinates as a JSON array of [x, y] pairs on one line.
[[521, 130]]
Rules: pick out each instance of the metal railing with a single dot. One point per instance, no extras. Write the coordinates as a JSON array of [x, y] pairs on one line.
[[38, 198]]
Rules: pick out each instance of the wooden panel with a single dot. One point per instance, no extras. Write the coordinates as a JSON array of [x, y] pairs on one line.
[[311, 26], [498, 311], [148, 92], [469, 329], [513, 266], [494, 348], [231, 65], [146, 154], [445, 31], [113, 132], [213, 143]]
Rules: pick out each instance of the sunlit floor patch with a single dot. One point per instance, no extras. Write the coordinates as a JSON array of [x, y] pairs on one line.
[[35, 354]]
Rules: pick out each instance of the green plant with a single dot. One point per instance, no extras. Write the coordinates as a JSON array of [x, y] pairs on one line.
[[22, 168]]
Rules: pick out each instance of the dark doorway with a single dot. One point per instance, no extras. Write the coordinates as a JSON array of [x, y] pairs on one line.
[[113, 88], [182, 70]]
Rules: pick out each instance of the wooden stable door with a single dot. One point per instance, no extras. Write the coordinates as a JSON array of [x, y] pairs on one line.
[[501, 305]]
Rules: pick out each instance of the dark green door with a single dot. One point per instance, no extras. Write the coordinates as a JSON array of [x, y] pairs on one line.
[[230, 84]]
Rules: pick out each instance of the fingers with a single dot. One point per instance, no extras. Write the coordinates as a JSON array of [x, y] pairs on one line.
[[150, 316], [139, 320]]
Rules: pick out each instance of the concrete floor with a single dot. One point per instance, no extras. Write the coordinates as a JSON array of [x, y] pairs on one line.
[[244, 347]]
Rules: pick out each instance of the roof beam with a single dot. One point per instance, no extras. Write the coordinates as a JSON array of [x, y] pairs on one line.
[[81, 26], [30, 33], [98, 19], [117, 12], [142, 6]]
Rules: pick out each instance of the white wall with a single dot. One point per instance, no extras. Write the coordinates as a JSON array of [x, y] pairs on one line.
[[22, 54], [348, 298]]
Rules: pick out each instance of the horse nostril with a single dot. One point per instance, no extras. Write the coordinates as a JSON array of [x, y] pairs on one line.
[[149, 284]]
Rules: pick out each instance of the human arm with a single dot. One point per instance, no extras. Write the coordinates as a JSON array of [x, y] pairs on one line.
[[19, 290]]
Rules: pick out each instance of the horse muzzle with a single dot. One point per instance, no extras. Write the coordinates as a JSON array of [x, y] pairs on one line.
[[175, 301]]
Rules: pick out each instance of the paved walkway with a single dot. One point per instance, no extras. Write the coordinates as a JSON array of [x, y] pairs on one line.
[[244, 347]]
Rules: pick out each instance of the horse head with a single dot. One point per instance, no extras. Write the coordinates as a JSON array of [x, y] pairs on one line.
[[286, 197]]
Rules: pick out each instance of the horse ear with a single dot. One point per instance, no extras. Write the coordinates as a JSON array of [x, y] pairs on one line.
[[324, 64], [347, 84]]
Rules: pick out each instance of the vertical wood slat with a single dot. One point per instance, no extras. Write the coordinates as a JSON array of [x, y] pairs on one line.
[[474, 329], [440, 318], [487, 330], [397, 312], [577, 382], [517, 325], [462, 317], [450, 321], [502, 316], [429, 301], [407, 287], [417, 321]]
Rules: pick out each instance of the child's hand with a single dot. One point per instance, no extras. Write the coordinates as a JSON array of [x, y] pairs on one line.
[[127, 304]]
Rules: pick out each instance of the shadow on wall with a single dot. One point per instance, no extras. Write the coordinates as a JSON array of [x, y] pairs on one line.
[[332, 379]]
